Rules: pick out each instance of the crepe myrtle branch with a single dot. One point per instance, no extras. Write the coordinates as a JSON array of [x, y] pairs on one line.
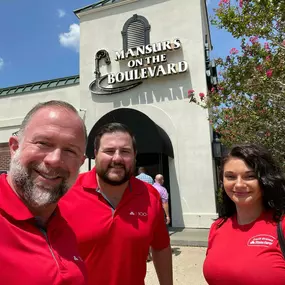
[[191, 96]]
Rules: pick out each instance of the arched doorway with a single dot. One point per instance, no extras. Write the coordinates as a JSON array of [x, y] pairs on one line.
[[153, 144]]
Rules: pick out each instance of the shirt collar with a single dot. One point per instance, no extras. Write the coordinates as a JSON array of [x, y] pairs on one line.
[[11, 203]]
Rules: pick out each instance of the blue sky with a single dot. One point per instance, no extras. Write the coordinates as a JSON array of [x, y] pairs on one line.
[[39, 39]]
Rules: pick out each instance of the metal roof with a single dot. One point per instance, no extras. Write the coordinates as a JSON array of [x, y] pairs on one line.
[[39, 86], [95, 5]]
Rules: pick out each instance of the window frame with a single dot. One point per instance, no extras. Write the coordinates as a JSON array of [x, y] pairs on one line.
[[133, 19]]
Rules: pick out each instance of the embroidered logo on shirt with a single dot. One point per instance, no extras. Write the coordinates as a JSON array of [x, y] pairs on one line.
[[76, 258], [141, 214], [261, 240]]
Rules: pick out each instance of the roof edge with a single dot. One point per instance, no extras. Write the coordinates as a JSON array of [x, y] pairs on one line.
[[90, 7], [100, 6], [40, 85], [208, 24]]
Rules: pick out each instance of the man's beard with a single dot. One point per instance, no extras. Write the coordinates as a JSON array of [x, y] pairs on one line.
[[103, 174], [37, 196]]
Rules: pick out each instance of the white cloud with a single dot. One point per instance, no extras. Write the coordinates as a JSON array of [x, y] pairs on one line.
[[61, 13], [1, 63], [71, 38]]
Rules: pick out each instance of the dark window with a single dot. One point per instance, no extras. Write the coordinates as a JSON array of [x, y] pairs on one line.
[[136, 32]]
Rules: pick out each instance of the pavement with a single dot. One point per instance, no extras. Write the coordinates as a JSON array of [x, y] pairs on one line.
[[188, 253], [189, 237], [187, 267]]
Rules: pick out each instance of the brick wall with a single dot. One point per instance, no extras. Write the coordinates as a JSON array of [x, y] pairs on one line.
[[4, 156]]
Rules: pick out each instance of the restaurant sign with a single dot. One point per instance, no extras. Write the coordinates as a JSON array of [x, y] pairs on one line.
[[144, 62]]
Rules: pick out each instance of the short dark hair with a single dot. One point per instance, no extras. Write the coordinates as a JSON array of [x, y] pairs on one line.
[[269, 174], [112, 128], [51, 103]]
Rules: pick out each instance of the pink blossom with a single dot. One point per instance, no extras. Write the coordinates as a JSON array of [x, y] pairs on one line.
[[266, 46], [224, 2], [253, 39], [268, 58], [190, 92], [259, 67], [213, 89], [201, 95], [283, 43], [233, 51], [269, 73], [240, 3]]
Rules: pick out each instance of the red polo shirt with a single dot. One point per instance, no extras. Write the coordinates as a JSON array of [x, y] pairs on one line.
[[115, 243], [244, 254], [29, 255]]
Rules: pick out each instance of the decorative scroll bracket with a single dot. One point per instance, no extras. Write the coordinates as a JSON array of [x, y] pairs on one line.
[[96, 86]]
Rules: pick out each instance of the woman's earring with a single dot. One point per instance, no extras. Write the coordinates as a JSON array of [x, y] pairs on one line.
[[271, 204]]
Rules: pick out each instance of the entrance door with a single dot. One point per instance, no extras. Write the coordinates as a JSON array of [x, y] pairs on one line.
[[156, 163]]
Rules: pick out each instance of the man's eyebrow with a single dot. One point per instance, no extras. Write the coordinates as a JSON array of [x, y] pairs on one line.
[[40, 136], [45, 137], [74, 146]]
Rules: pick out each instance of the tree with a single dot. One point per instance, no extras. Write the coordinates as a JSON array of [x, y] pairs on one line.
[[248, 104]]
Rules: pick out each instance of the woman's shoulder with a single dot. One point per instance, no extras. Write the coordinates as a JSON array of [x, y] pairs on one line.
[[217, 224]]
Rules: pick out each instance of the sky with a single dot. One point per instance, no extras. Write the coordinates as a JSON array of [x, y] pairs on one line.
[[40, 39]]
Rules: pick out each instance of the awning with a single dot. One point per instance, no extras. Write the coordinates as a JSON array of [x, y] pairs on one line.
[[149, 136]]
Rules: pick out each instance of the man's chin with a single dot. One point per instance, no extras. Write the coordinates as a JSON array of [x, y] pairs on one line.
[[115, 181]]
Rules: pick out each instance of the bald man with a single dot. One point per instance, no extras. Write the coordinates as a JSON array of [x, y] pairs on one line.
[[159, 180], [37, 245]]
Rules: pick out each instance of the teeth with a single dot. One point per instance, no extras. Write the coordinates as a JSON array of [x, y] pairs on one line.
[[48, 176]]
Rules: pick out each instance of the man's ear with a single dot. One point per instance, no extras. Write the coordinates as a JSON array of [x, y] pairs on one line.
[[13, 145], [83, 159]]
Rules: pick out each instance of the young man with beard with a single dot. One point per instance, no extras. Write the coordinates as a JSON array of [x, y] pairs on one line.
[[117, 217], [36, 244]]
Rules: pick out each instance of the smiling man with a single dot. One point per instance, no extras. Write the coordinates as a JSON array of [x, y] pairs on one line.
[[36, 244], [117, 217]]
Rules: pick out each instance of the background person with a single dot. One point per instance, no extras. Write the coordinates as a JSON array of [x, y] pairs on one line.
[[143, 176], [36, 244], [159, 180], [117, 217], [243, 247]]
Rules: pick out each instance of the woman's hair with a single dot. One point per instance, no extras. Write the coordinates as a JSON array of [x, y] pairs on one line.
[[269, 174]]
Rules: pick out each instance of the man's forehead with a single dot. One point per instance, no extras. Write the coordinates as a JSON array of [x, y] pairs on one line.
[[116, 135], [54, 117], [52, 112], [116, 138]]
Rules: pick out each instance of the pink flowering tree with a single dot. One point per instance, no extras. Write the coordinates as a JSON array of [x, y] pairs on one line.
[[248, 104]]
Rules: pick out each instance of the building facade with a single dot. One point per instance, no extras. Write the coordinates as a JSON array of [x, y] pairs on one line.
[[138, 59]]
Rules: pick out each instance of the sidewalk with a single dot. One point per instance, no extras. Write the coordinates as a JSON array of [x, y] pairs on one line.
[[187, 266], [189, 237]]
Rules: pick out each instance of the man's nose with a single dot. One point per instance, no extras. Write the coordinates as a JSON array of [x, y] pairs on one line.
[[54, 158], [117, 156]]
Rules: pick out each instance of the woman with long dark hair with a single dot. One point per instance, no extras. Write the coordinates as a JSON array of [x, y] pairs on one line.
[[243, 247]]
